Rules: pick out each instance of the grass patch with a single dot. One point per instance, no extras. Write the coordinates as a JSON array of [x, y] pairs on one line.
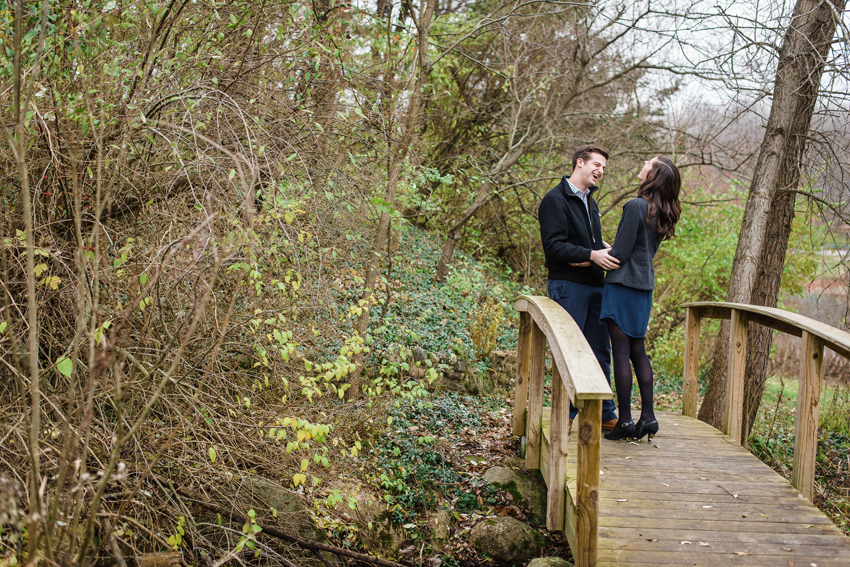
[[772, 440]]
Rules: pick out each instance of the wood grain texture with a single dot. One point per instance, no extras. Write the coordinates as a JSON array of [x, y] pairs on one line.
[[559, 423], [574, 358], [808, 406], [734, 415], [523, 360], [587, 483], [785, 321], [690, 382], [694, 484], [537, 373]]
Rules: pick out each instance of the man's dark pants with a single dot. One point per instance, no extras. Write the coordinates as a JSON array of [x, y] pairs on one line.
[[584, 304]]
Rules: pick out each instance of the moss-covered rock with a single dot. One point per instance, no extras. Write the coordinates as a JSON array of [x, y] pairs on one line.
[[280, 507], [440, 533], [549, 562], [524, 490], [506, 540], [380, 535]]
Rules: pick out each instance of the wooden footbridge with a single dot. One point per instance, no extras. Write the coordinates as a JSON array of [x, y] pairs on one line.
[[693, 495]]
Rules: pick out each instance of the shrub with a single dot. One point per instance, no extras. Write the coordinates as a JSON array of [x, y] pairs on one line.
[[484, 327]]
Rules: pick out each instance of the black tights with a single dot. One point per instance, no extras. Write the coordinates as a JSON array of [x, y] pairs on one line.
[[623, 348]]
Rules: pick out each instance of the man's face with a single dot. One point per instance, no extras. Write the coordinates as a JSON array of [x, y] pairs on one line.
[[589, 172]]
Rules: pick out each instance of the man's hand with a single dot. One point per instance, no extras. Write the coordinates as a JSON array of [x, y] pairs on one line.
[[604, 260], [581, 265]]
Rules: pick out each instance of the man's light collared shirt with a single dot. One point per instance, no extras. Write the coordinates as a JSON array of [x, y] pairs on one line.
[[581, 194]]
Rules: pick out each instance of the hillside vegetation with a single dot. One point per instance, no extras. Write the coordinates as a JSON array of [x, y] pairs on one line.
[[250, 240]]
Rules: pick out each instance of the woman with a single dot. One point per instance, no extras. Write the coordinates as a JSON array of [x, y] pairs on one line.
[[647, 220]]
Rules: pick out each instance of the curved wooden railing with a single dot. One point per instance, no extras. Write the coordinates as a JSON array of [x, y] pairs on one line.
[[576, 376], [815, 335]]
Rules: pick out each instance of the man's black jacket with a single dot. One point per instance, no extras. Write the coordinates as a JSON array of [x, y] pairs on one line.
[[569, 234]]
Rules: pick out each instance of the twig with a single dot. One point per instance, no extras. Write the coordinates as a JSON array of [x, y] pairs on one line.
[[313, 546], [136, 523], [322, 558], [113, 545]]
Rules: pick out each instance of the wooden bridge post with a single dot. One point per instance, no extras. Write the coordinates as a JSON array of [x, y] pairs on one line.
[[738, 334], [691, 378], [535, 397], [523, 358], [808, 406], [588, 460], [559, 428]]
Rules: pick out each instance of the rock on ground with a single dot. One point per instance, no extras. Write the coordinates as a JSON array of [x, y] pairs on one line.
[[506, 540], [383, 538], [524, 490], [440, 533], [515, 463], [277, 506], [549, 562]]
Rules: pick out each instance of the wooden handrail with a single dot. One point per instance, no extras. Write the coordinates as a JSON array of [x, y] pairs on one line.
[[815, 335], [576, 376]]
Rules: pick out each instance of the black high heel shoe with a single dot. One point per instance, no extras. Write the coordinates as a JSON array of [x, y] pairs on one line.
[[621, 431], [643, 428]]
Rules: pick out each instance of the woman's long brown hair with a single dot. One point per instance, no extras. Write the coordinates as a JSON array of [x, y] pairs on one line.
[[661, 189]]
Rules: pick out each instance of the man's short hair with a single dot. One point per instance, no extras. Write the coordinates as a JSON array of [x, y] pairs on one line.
[[583, 153]]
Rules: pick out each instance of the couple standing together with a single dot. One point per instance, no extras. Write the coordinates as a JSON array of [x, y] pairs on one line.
[[616, 305]]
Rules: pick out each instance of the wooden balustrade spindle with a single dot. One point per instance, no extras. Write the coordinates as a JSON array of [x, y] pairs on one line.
[[738, 334], [589, 458], [691, 378], [558, 437], [808, 405], [523, 359], [536, 376]]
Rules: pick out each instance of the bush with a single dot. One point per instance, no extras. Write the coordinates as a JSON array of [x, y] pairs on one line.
[[484, 327]]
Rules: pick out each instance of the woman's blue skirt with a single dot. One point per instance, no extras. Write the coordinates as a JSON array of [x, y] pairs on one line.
[[628, 307]]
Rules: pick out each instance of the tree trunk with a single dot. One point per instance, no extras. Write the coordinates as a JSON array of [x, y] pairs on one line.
[[766, 293], [801, 62], [485, 194]]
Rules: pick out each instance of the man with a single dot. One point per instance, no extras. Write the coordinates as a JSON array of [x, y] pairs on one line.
[[576, 256]]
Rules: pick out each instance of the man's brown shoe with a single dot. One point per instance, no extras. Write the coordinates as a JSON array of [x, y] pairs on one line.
[[609, 425]]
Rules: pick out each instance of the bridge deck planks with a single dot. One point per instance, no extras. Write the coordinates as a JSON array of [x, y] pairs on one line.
[[692, 496]]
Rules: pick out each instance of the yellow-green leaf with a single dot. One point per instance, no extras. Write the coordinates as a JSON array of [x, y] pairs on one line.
[[39, 269], [64, 365], [304, 464], [212, 453]]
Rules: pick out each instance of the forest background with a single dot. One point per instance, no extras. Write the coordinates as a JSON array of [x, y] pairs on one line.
[[207, 208]]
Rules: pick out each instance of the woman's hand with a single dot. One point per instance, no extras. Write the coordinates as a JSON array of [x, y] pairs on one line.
[[581, 265], [604, 260]]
